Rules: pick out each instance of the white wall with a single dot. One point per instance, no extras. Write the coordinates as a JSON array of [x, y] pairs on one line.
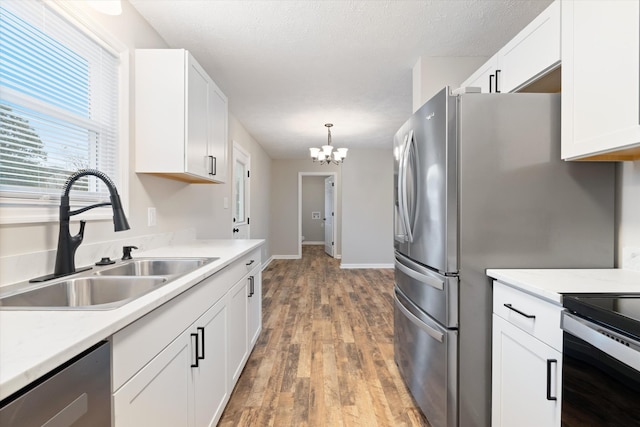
[[284, 203], [431, 74], [367, 209], [629, 215], [313, 201]]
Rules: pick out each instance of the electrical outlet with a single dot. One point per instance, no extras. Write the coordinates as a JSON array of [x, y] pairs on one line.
[[151, 217]]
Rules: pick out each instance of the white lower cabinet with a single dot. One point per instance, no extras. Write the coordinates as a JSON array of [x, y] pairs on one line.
[[237, 329], [525, 378], [254, 309], [186, 384], [160, 394], [209, 376], [526, 360], [245, 322], [177, 365]]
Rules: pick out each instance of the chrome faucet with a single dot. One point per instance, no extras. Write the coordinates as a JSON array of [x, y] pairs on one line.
[[67, 244]]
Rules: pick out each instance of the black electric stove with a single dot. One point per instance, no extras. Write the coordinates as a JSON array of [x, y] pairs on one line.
[[617, 311]]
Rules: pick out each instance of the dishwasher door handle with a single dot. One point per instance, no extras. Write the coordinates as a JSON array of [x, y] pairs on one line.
[[72, 413]]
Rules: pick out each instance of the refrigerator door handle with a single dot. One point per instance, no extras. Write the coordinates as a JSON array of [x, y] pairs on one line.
[[404, 208], [434, 283], [433, 333], [401, 190]]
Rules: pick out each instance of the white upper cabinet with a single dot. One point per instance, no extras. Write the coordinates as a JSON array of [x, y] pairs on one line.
[[529, 56], [181, 118], [600, 80], [532, 53]]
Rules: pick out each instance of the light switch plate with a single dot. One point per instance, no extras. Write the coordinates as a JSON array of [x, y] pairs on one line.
[[151, 217]]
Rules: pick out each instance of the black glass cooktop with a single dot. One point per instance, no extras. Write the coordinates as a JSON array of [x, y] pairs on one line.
[[618, 311]]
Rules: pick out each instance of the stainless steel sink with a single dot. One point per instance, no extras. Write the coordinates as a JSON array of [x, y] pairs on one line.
[[155, 267], [105, 288], [96, 293]]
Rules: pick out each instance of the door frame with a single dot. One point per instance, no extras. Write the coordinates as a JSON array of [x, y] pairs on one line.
[[336, 219]]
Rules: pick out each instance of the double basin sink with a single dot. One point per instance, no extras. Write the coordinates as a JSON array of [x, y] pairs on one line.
[[103, 289]]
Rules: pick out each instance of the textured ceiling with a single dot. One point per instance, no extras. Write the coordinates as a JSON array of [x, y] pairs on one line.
[[289, 67]]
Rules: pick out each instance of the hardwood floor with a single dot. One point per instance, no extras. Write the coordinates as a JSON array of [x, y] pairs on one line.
[[325, 354]]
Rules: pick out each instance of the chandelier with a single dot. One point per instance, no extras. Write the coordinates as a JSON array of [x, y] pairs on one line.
[[326, 155]]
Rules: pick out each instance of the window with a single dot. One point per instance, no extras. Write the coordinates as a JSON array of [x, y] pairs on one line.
[[59, 106]]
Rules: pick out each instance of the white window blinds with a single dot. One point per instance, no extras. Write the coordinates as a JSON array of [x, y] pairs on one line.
[[58, 105]]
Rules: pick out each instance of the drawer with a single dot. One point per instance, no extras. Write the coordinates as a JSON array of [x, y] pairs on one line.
[[533, 315]]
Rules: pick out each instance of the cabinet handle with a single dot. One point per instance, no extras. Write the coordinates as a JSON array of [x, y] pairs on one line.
[[497, 90], [200, 329], [195, 365], [251, 286], [528, 316], [549, 362], [250, 262], [491, 77], [214, 165]]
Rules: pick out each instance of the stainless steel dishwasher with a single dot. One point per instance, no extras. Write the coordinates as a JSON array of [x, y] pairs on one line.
[[76, 394]]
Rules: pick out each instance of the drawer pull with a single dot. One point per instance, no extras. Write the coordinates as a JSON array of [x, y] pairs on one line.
[[528, 316], [250, 262]]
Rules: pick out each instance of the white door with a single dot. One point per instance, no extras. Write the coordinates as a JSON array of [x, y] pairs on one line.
[[329, 186], [241, 188], [526, 379]]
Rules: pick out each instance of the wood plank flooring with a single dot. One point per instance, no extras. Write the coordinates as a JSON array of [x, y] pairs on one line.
[[325, 354]]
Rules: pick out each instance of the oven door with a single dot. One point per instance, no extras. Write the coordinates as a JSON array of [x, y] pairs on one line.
[[426, 354], [600, 375]]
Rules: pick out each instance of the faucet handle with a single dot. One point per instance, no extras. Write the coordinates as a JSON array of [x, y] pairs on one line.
[[126, 252]]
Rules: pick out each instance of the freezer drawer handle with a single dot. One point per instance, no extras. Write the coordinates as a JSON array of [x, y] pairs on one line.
[[435, 283], [436, 335], [521, 313]]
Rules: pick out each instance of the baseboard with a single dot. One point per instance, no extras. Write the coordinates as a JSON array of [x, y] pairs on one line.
[[266, 263], [311, 242], [285, 257], [350, 266]]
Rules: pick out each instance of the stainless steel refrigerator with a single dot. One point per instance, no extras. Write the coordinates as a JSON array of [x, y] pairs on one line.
[[479, 184]]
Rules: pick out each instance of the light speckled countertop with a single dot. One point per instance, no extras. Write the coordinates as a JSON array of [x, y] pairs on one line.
[[33, 343], [550, 284]]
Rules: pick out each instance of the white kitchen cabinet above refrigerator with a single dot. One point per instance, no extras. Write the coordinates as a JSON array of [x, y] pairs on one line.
[[181, 118], [532, 54]]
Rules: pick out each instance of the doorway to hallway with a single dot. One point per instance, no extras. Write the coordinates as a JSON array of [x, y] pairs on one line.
[[317, 216]]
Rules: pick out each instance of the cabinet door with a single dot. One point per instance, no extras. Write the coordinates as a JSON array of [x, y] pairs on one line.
[[160, 394], [197, 161], [600, 85], [526, 377], [255, 308], [484, 77], [210, 376], [533, 52], [238, 349], [218, 131]]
